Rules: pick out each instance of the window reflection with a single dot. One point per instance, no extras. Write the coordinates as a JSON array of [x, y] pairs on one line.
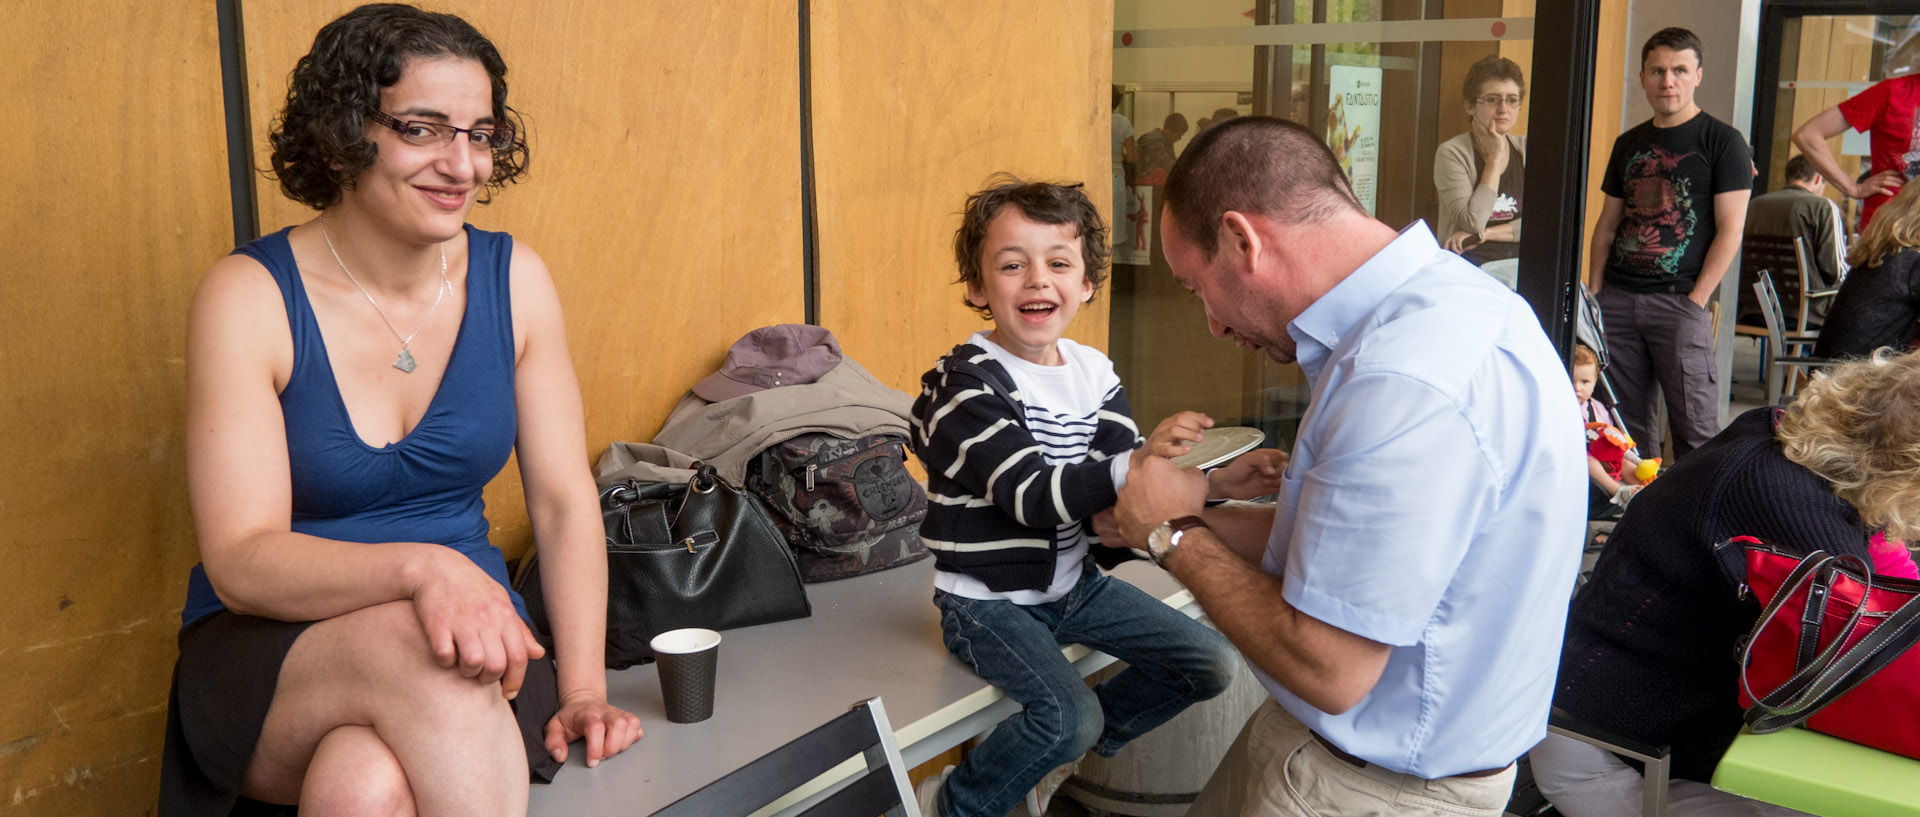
[[1386, 106]]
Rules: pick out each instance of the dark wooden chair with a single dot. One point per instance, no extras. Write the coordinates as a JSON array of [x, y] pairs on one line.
[[881, 788]]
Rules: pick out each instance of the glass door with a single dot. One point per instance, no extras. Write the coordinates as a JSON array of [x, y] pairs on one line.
[[1387, 83], [1816, 55]]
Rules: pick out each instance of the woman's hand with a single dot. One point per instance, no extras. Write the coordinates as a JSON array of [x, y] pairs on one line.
[[607, 729], [1255, 473], [1492, 148], [1461, 241], [471, 623], [1177, 434]]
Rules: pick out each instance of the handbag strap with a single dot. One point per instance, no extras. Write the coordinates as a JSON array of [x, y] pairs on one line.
[[1819, 684], [1787, 698], [1873, 653]]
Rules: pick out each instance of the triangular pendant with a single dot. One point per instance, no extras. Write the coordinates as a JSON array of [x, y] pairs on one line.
[[405, 361]]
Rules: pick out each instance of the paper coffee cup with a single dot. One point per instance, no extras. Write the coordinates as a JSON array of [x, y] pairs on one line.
[[688, 659]]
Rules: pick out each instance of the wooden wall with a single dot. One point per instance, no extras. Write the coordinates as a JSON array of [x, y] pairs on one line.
[[1831, 49], [664, 194], [665, 184], [115, 202], [915, 105], [1614, 58]]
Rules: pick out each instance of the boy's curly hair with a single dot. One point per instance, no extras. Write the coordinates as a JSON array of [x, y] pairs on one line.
[[319, 139], [1044, 202]]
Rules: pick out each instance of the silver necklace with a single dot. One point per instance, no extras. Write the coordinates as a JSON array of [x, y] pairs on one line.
[[405, 361]]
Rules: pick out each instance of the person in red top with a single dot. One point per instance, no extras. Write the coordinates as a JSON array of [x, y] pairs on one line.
[[1886, 113]]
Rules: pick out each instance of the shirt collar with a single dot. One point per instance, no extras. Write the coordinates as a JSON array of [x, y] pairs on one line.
[[1319, 329]]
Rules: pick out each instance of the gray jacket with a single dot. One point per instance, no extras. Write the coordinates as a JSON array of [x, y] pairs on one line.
[[847, 401]]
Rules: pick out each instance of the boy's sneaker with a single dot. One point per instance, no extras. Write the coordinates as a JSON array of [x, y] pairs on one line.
[[1042, 793], [928, 793]]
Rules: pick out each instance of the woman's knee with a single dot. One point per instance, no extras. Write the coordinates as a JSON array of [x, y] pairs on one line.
[[354, 773], [381, 654]]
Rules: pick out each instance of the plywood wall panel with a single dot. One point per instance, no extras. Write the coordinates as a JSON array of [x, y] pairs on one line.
[[664, 191], [114, 201], [915, 105], [1612, 60]]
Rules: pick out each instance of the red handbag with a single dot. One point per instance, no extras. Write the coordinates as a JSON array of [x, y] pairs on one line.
[[1833, 646]]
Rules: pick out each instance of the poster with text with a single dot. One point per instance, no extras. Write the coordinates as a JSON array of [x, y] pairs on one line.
[[1353, 126]]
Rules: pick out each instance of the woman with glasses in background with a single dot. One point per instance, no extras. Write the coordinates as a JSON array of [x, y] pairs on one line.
[[1478, 173], [350, 643]]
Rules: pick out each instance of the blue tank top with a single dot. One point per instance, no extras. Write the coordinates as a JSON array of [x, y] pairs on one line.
[[427, 486]]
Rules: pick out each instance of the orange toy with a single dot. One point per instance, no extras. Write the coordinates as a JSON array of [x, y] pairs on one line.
[[1648, 470]]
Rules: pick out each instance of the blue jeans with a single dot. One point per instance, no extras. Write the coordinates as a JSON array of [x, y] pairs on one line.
[[1172, 662]]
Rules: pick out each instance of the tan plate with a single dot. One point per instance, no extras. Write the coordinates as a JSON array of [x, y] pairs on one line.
[[1218, 445]]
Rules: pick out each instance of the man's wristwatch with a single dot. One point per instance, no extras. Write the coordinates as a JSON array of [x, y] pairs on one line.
[[1162, 540]]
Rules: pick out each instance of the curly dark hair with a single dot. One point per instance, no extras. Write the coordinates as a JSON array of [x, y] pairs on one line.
[[319, 139], [1044, 202], [1488, 69]]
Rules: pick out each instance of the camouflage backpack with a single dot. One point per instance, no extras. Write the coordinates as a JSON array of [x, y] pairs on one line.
[[846, 506]]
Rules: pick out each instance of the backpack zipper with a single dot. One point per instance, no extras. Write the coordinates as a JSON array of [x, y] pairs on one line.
[[810, 469]]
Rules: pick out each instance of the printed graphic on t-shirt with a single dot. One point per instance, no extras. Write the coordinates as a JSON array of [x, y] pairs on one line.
[[1659, 221], [1504, 209]]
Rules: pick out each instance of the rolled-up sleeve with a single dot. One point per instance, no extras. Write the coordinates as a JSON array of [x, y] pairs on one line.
[[1388, 509]]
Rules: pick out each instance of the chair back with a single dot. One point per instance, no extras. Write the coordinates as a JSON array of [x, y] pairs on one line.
[[1786, 258], [1769, 300], [863, 732]]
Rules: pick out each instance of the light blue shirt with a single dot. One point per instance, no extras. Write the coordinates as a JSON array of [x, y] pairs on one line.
[[1435, 502]]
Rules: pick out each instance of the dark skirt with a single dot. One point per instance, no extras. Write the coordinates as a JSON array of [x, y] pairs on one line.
[[223, 684]]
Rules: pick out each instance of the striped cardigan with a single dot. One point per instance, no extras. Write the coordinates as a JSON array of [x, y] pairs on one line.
[[994, 504]]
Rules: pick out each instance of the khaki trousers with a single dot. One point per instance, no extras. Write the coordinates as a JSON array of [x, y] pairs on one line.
[[1276, 769]]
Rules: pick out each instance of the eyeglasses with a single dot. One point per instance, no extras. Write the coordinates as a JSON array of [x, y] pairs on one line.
[[1494, 100], [432, 134]]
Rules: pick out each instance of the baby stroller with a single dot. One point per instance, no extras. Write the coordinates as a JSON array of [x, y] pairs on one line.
[[1590, 331]]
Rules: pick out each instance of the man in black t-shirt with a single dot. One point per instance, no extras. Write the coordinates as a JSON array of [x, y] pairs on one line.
[[1676, 199]]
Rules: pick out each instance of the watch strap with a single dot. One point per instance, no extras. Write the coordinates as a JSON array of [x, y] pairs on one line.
[[1175, 527]]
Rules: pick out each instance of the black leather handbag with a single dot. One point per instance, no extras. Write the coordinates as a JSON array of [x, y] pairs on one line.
[[701, 553]]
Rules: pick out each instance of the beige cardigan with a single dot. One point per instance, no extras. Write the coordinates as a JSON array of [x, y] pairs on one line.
[[1464, 204]]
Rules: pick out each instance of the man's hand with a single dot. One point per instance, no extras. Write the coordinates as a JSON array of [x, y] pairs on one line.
[[1255, 473], [1107, 527], [1156, 491], [1885, 182]]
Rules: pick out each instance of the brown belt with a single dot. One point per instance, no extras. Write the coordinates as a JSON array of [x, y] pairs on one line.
[[1361, 764]]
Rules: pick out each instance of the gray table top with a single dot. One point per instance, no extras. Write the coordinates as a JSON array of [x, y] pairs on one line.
[[872, 635]]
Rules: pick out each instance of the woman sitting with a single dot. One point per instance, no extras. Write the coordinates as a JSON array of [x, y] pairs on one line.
[[1478, 173], [1649, 652], [350, 644], [1879, 303]]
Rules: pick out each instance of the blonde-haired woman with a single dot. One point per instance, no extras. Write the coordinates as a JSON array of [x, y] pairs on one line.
[[1649, 648], [1879, 303]]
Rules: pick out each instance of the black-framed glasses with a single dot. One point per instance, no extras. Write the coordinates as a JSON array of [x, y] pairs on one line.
[[1494, 100], [433, 134]]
